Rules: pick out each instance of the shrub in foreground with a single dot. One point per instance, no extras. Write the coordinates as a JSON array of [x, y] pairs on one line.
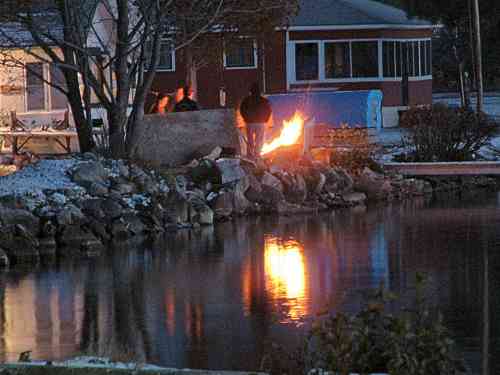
[[410, 341], [442, 133]]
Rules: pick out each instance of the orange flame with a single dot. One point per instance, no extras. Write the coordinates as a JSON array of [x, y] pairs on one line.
[[290, 134]]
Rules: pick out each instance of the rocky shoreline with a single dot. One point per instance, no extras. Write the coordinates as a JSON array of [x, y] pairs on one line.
[[75, 207]]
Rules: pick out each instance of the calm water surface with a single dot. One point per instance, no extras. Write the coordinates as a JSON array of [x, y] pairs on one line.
[[217, 298]]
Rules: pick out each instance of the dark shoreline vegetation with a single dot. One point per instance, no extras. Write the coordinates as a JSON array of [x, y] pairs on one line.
[[113, 200]]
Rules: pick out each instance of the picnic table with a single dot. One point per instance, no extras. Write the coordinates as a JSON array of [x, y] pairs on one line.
[[19, 139], [19, 133]]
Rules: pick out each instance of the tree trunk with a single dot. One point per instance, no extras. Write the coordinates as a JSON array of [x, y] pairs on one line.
[[83, 126], [479, 58], [116, 121]]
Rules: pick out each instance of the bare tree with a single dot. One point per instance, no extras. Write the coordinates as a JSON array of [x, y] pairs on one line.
[[109, 50]]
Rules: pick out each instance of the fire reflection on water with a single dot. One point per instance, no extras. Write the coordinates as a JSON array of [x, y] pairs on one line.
[[285, 275]]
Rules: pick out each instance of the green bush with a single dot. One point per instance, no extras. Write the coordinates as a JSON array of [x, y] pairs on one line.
[[352, 149], [410, 341], [442, 133]]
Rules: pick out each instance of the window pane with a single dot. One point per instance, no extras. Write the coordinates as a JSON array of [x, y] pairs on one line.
[[364, 59], [166, 60], [58, 99], [241, 54], [35, 91], [337, 60], [389, 54], [416, 60], [399, 59], [428, 57], [306, 61]]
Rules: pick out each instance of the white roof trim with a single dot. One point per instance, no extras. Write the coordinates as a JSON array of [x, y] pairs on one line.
[[359, 27]]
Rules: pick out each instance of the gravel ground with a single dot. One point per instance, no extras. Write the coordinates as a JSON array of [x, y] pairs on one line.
[[33, 179]]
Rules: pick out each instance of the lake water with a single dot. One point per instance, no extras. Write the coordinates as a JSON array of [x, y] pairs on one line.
[[217, 298]]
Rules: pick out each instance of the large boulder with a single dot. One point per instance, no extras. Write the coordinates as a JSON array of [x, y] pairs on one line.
[[374, 185], [241, 203], [272, 181], [4, 259], [354, 199], [200, 212], [230, 170], [19, 243], [70, 215], [75, 238], [85, 174], [223, 205], [13, 216], [296, 189]]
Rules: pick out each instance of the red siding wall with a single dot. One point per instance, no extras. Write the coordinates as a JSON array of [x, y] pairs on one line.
[[237, 81]]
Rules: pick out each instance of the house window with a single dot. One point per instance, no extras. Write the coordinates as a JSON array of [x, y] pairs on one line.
[[389, 49], [337, 60], [307, 61], [166, 56], [364, 59], [35, 90], [413, 57], [40, 95], [240, 54], [58, 99]]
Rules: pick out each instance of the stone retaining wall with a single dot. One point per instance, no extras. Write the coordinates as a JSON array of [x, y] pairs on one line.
[[176, 138]]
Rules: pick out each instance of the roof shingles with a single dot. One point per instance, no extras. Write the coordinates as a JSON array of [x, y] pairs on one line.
[[351, 12]]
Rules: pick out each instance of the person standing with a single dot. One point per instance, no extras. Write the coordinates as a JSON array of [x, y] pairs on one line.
[[256, 112], [186, 104]]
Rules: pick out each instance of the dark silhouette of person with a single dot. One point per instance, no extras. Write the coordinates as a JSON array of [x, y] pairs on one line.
[[186, 104], [161, 104], [256, 112]]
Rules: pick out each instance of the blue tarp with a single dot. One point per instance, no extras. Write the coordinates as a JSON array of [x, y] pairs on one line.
[[332, 108]]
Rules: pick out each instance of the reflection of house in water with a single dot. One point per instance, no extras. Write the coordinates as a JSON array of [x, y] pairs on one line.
[[40, 314]]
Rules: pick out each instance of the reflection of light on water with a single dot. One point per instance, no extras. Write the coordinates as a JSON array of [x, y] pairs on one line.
[[285, 272]]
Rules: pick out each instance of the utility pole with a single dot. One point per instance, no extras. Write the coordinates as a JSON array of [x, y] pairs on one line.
[[479, 59]]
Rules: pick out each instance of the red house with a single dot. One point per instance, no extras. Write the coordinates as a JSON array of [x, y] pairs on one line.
[[330, 45]]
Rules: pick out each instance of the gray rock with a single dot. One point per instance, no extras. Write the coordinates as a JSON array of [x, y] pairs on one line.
[[90, 156], [119, 230], [224, 205], [230, 170], [346, 183], [354, 198], [269, 180], [93, 208], [19, 243], [200, 212], [98, 189], [122, 169], [296, 192], [270, 196], [76, 238], [85, 174], [4, 259], [241, 203], [70, 215], [57, 199], [215, 154], [125, 188], [181, 185], [12, 216], [134, 224], [112, 209]]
